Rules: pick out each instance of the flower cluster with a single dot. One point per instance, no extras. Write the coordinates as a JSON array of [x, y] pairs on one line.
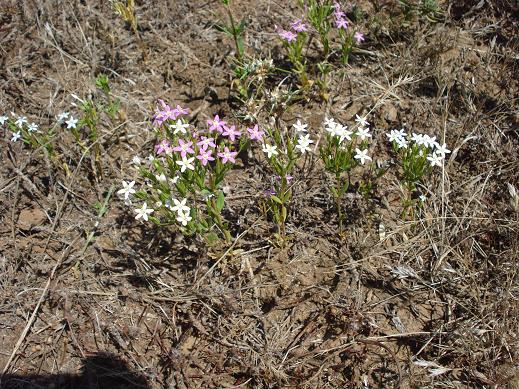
[[296, 27], [426, 145], [189, 164]]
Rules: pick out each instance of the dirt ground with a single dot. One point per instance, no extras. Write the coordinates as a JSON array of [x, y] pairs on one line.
[[431, 301]]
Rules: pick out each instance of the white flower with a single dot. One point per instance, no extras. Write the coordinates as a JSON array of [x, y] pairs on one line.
[[186, 163], [161, 178], [270, 150], [442, 149], [180, 206], [143, 212], [435, 159], [402, 143], [127, 189], [363, 133], [418, 139], [393, 136], [362, 155], [20, 121], [303, 142], [136, 161], [300, 127], [401, 133], [429, 141], [3, 119], [62, 116], [329, 122], [184, 218], [32, 127], [422, 198], [16, 136], [173, 180], [71, 123], [180, 126], [151, 158], [343, 133], [361, 121]]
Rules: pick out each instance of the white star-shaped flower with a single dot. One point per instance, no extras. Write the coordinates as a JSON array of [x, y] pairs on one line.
[[442, 149], [362, 155], [363, 133], [186, 163], [127, 189], [180, 206], [20, 121], [393, 135], [180, 126], [184, 218], [16, 136], [402, 143], [136, 161], [418, 139], [435, 159], [300, 127], [303, 143], [32, 127], [361, 121], [71, 123], [143, 212], [3, 119], [270, 150], [62, 116]]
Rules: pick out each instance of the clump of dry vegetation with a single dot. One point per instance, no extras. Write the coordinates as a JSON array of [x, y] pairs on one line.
[[385, 284]]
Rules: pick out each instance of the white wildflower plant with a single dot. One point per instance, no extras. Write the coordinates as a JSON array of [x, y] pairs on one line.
[[343, 150], [418, 154], [283, 148]]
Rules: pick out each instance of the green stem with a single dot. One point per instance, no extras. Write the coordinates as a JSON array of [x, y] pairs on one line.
[[235, 36]]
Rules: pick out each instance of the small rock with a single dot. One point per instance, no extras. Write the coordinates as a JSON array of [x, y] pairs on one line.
[[31, 217]]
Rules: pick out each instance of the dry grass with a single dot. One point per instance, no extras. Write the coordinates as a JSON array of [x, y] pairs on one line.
[[427, 302]]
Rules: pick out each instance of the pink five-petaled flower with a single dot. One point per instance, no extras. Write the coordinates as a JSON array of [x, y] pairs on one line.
[[205, 143], [205, 156], [166, 113], [231, 132], [183, 148], [216, 124], [298, 26], [341, 23], [181, 111], [163, 147], [255, 133], [227, 155], [288, 36], [359, 36]]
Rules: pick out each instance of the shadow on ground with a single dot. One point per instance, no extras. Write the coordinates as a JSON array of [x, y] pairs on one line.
[[100, 371]]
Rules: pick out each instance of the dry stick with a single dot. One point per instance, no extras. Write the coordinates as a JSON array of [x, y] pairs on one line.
[[37, 308]]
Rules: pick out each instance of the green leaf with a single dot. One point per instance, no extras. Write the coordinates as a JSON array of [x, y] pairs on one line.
[[220, 201], [276, 199]]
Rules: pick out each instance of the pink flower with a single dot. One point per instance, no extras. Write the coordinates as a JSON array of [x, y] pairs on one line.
[[166, 113], [341, 23], [288, 36], [359, 36], [255, 133], [181, 111], [205, 156], [231, 132], [216, 124], [205, 143], [298, 26], [163, 147], [183, 148], [228, 155]]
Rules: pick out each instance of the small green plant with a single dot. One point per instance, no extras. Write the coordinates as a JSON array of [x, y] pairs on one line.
[[418, 154], [233, 30], [319, 12], [283, 149], [344, 150]]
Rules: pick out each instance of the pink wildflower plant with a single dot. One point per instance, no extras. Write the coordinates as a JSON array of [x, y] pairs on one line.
[[216, 124], [184, 148], [228, 155], [231, 132], [205, 156], [255, 133]]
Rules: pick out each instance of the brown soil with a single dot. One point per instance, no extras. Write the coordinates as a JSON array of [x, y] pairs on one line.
[[383, 306]]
